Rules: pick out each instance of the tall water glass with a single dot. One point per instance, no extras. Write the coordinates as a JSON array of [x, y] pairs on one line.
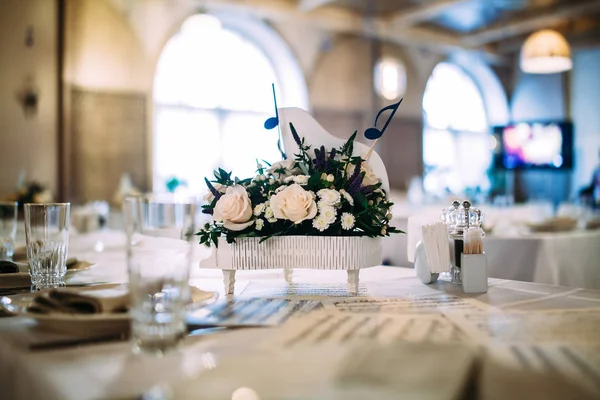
[[47, 235], [160, 236], [8, 229]]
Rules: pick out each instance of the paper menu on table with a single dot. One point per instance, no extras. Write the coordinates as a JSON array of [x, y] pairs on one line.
[[435, 303], [302, 290], [575, 363], [556, 326], [250, 312], [343, 329]]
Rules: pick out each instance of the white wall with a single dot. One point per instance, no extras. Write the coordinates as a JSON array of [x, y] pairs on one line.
[[585, 112], [538, 97]]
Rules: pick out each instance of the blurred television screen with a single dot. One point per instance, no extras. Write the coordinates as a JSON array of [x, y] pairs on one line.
[[534, 145]]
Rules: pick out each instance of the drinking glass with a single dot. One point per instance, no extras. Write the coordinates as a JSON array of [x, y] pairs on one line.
[[8, 229], [47, 235], [160, 236]]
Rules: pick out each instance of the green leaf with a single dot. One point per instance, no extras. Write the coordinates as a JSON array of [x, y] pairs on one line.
[[348, 147], [360, 199], [314, 180]]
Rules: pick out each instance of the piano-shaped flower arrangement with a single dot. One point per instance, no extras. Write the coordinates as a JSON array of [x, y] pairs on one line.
[[324, 206]]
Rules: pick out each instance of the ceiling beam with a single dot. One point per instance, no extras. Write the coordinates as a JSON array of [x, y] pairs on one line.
[[547, 19], [339, 20], [423, 12], [309, 5]]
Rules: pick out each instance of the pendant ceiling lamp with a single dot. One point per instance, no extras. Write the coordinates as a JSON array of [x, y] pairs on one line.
[[546, 52]]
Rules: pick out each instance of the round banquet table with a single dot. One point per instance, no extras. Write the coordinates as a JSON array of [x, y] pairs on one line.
[[518, 339]]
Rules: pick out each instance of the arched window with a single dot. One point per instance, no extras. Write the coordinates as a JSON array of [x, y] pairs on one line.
[[456, 137], [212, 94]]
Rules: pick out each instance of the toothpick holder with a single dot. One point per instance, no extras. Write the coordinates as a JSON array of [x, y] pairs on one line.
[[474, 273]]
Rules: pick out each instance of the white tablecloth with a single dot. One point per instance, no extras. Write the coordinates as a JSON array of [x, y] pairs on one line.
[[567, 259], [206, 366], [564, 258]]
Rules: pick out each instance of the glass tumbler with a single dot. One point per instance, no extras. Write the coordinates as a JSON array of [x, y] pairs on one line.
[[8, 229], [160, 236], [47, 236]]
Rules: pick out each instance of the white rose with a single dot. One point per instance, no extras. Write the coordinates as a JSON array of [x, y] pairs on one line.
[[293, 203], [370, 177], [234, 209], [282, 169]]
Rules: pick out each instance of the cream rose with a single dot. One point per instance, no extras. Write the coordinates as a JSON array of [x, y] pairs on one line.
[[370, 177], [294, 203], [234, 209]]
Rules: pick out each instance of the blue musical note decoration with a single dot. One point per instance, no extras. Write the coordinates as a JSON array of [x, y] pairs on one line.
[[273, 122], [374, 133]]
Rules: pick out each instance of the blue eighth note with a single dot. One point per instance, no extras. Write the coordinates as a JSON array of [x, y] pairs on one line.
[[273, 121], [374, 133]]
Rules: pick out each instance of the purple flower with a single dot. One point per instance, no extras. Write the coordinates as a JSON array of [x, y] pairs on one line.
[[355, 181], [320, 161], [332, 154], [366, 190], [295, 135]]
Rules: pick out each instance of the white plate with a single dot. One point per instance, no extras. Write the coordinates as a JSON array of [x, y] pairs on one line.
[[86, 324], [22, 279]]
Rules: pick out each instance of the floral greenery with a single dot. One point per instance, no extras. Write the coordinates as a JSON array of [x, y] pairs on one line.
[[31, 192], [341, 198]]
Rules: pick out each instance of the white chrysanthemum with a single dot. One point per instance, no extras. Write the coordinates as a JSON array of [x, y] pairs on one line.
[[328, 213], [347, 221], [268, 212], [347, 196], [259, 224], [259, 209], [272, 220], [329, 196], [320, 223], [301, 179]]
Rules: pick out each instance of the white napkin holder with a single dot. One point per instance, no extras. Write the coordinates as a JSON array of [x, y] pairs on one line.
[[422, 265], [474, 273]]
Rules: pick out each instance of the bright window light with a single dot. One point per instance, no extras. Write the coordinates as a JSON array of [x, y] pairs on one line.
[[212, 94], [457, 146]]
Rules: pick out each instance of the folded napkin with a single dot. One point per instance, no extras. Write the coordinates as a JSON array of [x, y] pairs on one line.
[[8, 267], [114, 299], [11, 267]]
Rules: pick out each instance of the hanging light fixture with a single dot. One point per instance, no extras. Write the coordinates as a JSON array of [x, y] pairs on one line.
[[546, 52], [201, 25], [389, 78]]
